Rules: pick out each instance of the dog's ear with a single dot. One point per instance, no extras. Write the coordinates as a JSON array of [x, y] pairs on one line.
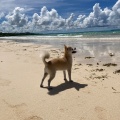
[[65, 47]]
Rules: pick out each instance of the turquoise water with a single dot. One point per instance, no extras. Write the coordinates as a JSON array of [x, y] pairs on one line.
[[107, 33], [88, 44], [94, 44], [84, 34]]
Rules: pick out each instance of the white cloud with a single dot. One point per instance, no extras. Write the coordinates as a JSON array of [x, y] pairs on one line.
[[70, 22], [99, 17], [47, 20], [2, 14], [51, 20], [114, 17], [116, 6], [17, 18], [15, 22], [96, 18]]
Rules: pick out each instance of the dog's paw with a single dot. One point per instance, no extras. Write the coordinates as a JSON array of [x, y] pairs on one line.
[[50, 88], [71, 81], [65, 80], [41, 86]]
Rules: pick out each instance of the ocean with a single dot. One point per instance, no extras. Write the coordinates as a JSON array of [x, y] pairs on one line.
[[98, 45]]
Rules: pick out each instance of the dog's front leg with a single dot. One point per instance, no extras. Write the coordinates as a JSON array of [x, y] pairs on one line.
[[69, 75], [64, 73]]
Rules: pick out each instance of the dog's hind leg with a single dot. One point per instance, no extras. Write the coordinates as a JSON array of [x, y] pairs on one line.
[[64, 73], [50, 79], [44, 76]]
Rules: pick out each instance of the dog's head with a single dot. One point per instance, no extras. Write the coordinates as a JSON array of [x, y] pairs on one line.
[[69, 50]]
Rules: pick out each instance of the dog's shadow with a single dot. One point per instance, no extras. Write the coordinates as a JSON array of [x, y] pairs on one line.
[[65, 86]]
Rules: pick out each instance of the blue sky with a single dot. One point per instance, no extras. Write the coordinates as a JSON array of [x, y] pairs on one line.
[[55, 15], [64, 7]]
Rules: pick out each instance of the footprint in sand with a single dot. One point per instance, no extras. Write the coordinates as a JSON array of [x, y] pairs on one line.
[[18, 109], [101, 113], [4, 82], [33, 118]]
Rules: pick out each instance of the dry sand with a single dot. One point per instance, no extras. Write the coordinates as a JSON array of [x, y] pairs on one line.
[[94, 94]]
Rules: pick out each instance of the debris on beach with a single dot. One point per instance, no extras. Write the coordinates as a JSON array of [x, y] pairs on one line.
[[24, 49], [111, 54], [109, 64], [101, 77], [54, 51], [89, 57], [78, 64], [97, 63], [113, 88], [117, 71], [94, 76], [89, 64], [100, 70], [116, 92], [76, 68]]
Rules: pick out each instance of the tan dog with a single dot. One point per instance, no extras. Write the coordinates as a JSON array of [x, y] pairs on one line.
[[64, 63]]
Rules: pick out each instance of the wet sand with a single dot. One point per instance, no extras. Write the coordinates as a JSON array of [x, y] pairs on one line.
[[94, 94]]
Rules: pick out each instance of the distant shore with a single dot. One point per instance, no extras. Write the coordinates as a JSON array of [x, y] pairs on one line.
[[17, 34], [110, 33]]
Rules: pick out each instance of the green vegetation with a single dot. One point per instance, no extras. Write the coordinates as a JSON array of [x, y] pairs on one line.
[[17, 34]]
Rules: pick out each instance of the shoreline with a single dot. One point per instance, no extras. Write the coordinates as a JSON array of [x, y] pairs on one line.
[[92, 96], [79, 37]]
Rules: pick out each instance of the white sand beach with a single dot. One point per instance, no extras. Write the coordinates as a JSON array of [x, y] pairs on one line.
[[94, 94]]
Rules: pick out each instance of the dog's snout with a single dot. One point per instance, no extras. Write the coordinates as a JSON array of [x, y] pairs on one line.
[[74, 50]]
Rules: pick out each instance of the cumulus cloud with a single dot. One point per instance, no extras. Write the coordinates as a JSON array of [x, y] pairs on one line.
[[17, 18], [48, 20], [114, 17], [51, 20], [15, 21], [2, 15], [70, 22], [100, 17]]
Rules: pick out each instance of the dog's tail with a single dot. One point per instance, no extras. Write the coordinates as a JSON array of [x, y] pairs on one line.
[[45, 55]]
